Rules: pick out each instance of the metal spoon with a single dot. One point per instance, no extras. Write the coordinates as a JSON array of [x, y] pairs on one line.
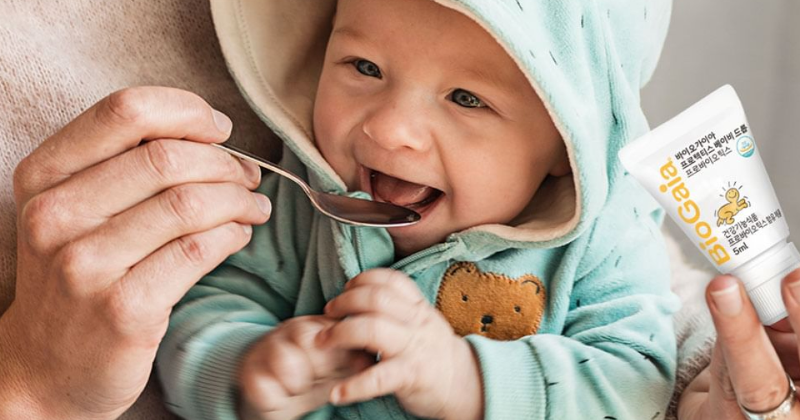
[[354, 211]]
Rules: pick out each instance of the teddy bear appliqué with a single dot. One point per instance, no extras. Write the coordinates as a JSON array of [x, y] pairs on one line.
[[489, 304]]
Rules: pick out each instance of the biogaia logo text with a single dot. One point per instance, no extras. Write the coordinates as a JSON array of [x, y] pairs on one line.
[[689, 213]]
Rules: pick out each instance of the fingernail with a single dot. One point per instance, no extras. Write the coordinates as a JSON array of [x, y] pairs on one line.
[[263, 203], [248, 229], [251, 170], [728, 299], [336, 395], [223, 123]]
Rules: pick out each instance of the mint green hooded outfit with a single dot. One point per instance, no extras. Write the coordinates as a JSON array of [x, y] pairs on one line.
[[604, 348]]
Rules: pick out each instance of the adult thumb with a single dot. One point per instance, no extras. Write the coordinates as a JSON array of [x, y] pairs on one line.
[[722, 403]]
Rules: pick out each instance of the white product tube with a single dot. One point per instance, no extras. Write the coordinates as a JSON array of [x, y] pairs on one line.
[[705, 170]]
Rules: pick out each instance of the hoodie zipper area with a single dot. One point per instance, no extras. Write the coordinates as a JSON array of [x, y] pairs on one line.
[[358, 246], [421, 255]]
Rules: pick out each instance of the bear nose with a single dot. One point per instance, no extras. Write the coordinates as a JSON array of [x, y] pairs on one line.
[[487, 319]]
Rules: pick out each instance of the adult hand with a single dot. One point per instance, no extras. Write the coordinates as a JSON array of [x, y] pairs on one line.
[[111, 233], [286, 375], [747, 367], [431, 370]]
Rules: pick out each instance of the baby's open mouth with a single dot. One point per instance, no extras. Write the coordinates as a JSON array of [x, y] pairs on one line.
[[393, 190]]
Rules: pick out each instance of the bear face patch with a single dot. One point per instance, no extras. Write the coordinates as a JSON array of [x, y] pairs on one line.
[[489, 304]]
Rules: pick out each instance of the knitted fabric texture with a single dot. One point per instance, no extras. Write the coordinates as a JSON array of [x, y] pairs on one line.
[[58, 57]]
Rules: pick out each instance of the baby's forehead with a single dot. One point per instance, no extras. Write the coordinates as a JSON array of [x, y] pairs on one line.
[[449, 40]]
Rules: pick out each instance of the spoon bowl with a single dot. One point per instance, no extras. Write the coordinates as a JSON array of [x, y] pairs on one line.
[[350, 210]]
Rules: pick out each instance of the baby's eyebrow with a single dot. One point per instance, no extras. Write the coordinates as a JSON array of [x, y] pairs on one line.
[[493, 77], [349, 32], [484, 72]]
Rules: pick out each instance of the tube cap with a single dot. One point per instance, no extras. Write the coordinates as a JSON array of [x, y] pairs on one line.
[[762, 278]]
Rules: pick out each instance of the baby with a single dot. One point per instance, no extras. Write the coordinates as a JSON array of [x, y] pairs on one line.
[[536, 284]]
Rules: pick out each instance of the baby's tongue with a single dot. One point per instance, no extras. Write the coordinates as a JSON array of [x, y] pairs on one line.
[[397, 191]]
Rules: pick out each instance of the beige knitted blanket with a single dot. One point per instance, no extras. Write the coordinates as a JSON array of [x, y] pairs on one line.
[[58, 57]]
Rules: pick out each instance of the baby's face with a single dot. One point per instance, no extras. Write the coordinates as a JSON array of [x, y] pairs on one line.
[[419, 106]]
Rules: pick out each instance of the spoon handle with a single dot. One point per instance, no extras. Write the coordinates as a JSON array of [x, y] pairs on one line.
[[263, 163], [355, 211]]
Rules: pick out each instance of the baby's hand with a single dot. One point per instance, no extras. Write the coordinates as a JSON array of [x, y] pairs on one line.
[[285, 375], [432, 371]]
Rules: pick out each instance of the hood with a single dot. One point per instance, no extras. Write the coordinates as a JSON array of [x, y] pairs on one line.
[[587, 61]]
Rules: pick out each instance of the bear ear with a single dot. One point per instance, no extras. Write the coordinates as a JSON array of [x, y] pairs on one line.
[[535, 282], [467, 266]]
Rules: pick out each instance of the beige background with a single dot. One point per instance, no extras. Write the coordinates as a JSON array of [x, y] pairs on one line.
[[755, 47]]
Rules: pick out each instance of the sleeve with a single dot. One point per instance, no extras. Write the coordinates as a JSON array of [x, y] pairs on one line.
[[219, 318], [615, 356]]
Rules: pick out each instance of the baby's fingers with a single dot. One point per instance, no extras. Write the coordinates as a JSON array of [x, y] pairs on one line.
[[275, 372], [262, 394], [285, 407], [377, 299], [374, 334], [384, 378], [401, 284]]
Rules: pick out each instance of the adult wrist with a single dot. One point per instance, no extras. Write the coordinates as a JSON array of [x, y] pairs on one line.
[[17, 399], [17, 406]]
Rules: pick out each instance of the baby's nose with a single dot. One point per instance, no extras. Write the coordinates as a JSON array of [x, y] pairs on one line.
[[399, 125]]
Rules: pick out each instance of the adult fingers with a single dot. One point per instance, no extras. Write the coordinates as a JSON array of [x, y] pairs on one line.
[[88, 199], [129, 237], [375, 334], [396, 280], [113, 125], [787, 342], [375, 299], [721, 402], [128, 179], [162, 278], [754, 368]]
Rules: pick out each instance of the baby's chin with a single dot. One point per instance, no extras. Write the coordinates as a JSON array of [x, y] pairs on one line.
[[407, 243]]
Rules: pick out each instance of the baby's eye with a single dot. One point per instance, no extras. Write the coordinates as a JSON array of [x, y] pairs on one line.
[[466, 99], [368, 68]]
